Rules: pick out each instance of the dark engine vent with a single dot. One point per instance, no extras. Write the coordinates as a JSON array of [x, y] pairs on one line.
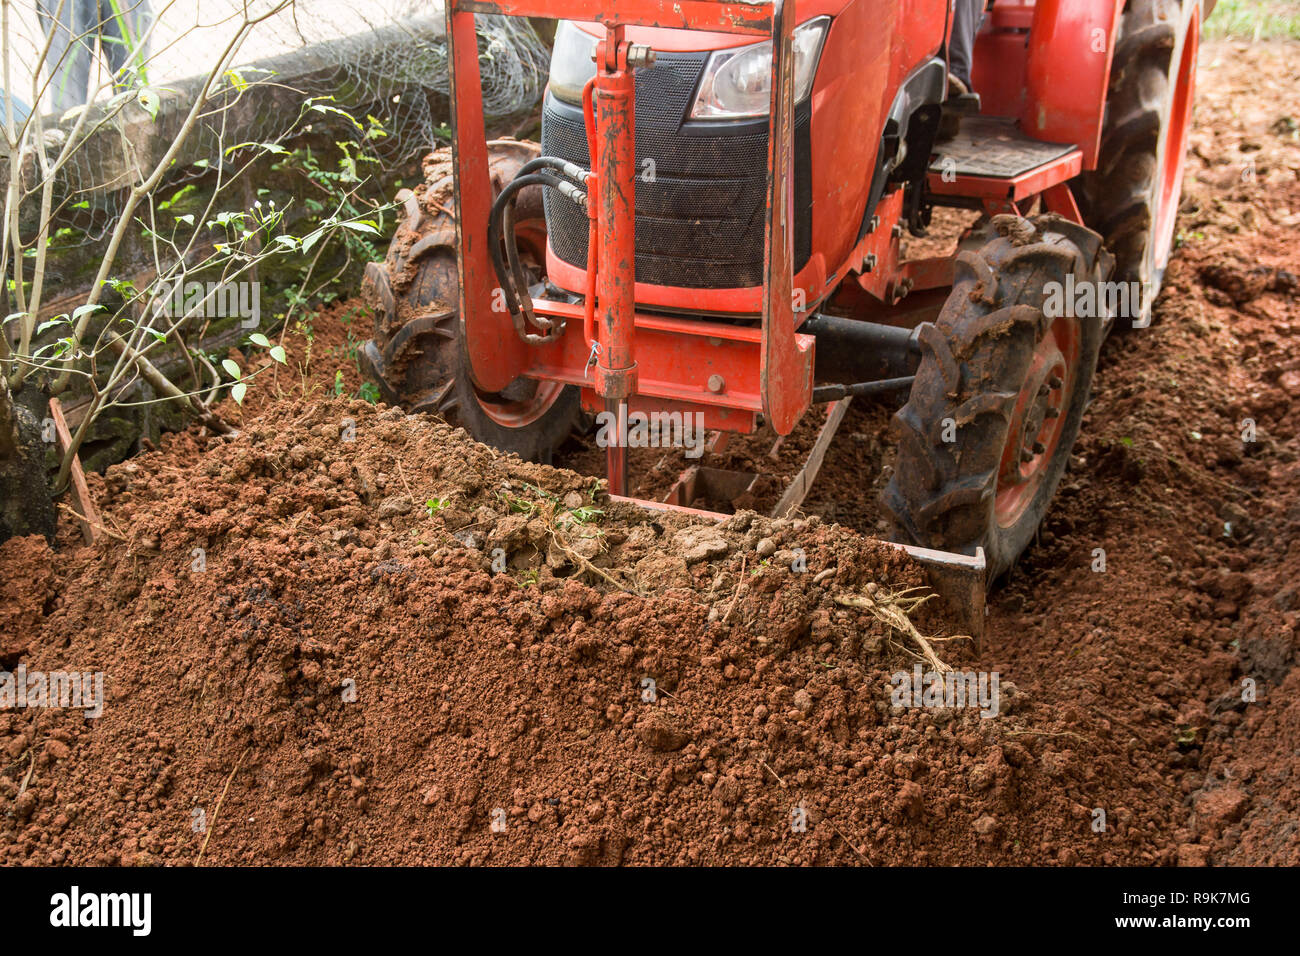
[[699, 225]]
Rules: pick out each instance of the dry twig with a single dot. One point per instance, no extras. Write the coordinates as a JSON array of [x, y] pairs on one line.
[[217, 810], [94, 524], [740, 586]]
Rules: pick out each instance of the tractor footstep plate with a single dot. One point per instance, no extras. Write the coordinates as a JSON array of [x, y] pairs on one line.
[[993, 147]]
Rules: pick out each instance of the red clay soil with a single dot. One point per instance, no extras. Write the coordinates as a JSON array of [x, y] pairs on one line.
[[372, 690], [350, 679], [1201, 529]]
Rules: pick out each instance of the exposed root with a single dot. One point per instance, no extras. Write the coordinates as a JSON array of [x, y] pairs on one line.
[[895, 609], [216, 812], [94, 524], [590, 568], [551, 516], [773, 773], [849, 843], [740, 586]]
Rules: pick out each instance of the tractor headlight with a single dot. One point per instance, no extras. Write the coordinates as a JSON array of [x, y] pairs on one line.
[[572, 63], [738, 82]]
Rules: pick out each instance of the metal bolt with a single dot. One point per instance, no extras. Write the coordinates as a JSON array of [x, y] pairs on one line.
[[716, 384], [639, 55], [1055, 381], [1052, 413], [1026, 455], [1039, 448], [869, 263]]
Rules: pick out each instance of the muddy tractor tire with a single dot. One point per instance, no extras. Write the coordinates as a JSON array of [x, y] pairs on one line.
[[1132, 197], [417, 356], [999, 394]]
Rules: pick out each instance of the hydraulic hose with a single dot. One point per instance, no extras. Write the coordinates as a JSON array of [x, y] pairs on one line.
[[510, 275]]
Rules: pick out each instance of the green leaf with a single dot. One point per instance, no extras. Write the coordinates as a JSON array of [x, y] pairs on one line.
[[178, 196], [81, 310], [237, 392], [265, 147], [319, 108], [231, 368], [311, 240], [149, 101], [361, 225], [11, 316], [57, 320], [277, 353], [257, 338]]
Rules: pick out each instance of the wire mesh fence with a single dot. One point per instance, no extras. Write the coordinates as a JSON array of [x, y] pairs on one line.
[[385, 59]]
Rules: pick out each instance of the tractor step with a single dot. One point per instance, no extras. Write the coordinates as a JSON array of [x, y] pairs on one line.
[[994, 147]]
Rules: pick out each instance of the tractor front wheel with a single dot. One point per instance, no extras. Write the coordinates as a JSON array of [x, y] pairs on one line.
[[417, 356], [1000, 392]]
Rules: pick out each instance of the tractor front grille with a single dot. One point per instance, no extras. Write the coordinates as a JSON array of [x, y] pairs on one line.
[[700, 219]]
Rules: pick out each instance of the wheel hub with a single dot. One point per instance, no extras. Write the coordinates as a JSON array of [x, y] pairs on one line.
[[1037, 421]]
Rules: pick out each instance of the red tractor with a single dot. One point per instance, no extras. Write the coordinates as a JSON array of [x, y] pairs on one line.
[[712, 224]]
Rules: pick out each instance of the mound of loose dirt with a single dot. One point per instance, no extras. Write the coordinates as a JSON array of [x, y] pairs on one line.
[[24, 590], [305, 656]]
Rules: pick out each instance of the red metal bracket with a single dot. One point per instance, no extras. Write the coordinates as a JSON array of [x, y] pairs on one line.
[[491, 332], [1060, 200], [787, 370], [638, 356]]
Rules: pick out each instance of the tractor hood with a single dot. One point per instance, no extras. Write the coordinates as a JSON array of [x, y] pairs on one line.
[[680, 41], [734, 81]]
